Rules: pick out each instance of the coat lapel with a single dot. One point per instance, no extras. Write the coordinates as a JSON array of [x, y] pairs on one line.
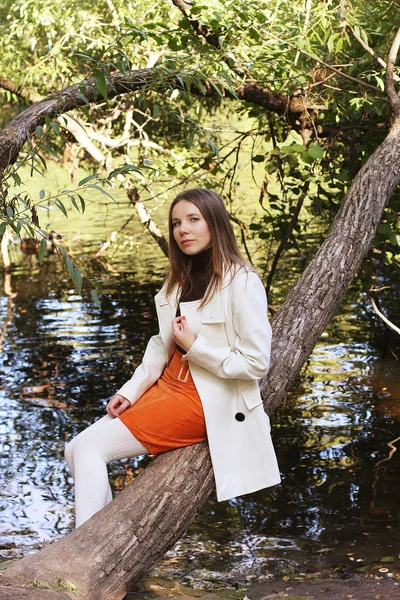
[[166, 311]]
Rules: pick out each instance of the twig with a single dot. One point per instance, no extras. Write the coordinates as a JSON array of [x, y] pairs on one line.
[[285, 238], [392, 451], [327, 65], [371, 51], [306, 22], [382, 316], [242, 227], [390, 88]]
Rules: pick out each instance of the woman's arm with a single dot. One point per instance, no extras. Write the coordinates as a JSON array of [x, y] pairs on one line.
[[150, 369], [249, 358]]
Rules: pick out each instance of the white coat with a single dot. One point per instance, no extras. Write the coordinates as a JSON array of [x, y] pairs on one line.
[[230, 354]]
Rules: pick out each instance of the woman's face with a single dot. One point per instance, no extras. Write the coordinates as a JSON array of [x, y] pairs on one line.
[[190, 229]]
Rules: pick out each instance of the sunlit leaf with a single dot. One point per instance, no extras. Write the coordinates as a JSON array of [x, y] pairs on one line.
[[95, 297], [42, 249]]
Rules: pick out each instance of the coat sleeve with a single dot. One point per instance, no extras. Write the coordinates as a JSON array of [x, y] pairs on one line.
[[147, 373], [249, 357]]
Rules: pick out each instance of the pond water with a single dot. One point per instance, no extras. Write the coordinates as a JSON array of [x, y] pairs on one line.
[[62, 357]]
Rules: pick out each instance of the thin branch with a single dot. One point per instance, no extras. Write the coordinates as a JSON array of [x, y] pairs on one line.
[[145, 218], [327, 65], [371, 51], [305, 27], [393, 449], [202, 30], [285, 238], [382, 316], [242, 227], [390, 87]]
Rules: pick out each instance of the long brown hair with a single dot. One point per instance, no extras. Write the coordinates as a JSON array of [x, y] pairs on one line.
[[225, 252]]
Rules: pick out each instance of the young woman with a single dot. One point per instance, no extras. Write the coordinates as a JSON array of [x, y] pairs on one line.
[[199, 375]]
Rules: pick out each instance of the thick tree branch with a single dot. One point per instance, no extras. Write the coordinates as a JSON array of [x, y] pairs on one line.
[[393, 96], [21, 92], [16, 133]]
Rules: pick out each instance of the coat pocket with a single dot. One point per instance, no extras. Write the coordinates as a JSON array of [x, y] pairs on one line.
[[251, 395]]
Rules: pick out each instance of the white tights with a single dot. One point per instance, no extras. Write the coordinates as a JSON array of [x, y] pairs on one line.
[[87, 456]]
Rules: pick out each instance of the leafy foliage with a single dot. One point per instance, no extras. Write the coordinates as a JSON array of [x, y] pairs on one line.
[[188, 127]]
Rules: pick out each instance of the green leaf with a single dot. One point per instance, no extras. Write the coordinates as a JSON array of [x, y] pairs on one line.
[[78, 280], [61, 206], [82, 97], [174, 44], [95, 297], [298, 148], [83, 204], [86, 179], [388, 559], [42, 249], [74, 204], [50, 150], [216, 88], [39, 131], [103, 191], [3, 227], [16, 178], [124, 169], [56, 127], [315, 151], [70, 266], [190, 139], [384, 229], [254, 34], [258, 158], [101, 83], [41, 194], [10, 211], [81, 55], [15, 227]]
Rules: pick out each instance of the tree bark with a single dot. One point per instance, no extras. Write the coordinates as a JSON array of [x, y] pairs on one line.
[[114, 549]]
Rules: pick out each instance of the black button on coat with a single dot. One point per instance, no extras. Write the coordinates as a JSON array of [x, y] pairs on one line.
[[240, 417]]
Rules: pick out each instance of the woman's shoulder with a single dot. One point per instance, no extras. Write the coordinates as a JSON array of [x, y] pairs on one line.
[[241, 274]]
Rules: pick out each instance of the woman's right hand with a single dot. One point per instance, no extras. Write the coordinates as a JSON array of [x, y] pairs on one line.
[[117, 405]]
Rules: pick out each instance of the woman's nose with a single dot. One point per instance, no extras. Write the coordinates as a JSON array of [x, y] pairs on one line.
[[184, 228]]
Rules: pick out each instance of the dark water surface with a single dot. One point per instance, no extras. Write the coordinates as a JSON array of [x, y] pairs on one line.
[[62, 357]]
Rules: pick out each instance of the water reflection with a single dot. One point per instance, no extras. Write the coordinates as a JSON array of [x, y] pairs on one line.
[[61, 358]]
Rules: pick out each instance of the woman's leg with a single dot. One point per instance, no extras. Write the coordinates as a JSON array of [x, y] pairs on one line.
[[87, 456]]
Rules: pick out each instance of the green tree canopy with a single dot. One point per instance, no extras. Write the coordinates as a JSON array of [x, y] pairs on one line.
[[274, 104]]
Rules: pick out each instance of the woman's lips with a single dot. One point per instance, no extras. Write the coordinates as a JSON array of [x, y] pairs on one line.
[[184, 242]]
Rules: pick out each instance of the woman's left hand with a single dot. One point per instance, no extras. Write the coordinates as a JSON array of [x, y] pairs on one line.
[[182, 334]]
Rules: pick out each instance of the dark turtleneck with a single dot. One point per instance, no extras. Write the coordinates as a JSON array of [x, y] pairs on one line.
[[197, 283], [199, 276]]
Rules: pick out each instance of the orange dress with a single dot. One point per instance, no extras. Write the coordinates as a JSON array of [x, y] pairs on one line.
[[169, 414]]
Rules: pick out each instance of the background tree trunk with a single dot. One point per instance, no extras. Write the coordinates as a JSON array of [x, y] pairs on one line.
[[111, 551]]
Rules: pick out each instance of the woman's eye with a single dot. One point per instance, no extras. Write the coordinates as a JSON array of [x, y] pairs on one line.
[[195, 219], [175, 224]]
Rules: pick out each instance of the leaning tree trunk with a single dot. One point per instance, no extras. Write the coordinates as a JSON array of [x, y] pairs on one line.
[[111, 551]]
